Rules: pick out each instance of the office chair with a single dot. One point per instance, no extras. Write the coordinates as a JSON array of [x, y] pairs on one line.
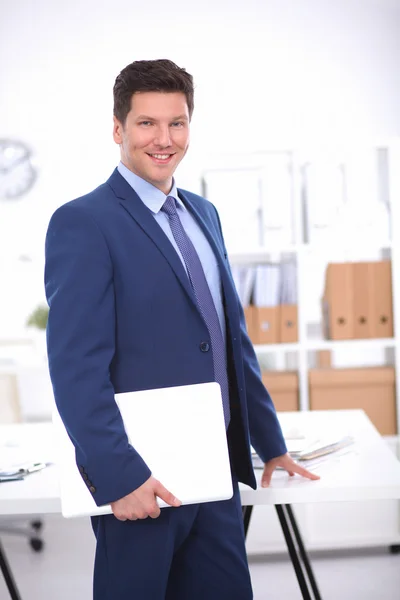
[[32, 531]]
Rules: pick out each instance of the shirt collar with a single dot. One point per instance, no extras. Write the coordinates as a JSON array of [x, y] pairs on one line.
[[151, 196]]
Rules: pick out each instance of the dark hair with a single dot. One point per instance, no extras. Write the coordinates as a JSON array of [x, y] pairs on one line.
[[150, 76]]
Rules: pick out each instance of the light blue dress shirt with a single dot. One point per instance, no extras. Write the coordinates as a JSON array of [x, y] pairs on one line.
[[154, 199]]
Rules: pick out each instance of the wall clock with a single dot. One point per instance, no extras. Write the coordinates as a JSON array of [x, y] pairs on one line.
[[17, 172]]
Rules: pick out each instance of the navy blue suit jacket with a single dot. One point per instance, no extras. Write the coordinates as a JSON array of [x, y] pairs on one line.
[[123, 318]]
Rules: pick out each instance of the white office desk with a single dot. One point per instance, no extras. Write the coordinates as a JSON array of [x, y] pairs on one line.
[[368, 470], [37, 494]]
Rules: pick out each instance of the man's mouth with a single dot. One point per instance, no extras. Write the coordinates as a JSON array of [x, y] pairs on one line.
[[161, 159]]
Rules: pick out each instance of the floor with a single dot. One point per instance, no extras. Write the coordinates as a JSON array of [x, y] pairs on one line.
[[63, 570]]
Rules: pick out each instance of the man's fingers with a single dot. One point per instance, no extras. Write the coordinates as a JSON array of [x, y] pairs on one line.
[[154, 511], [304, 473], [120, 518], [266, 477], [165, 495]]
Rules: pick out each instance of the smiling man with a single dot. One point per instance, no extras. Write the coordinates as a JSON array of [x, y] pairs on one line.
[[154, 135], [141, 296]]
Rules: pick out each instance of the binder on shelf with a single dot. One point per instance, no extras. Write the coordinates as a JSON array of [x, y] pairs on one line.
[[266, 304], [324, 182], [363, 290], [277, 199], [357, 302], [226, 188], [288, 328], [265, 324], [338, 302], [268, 294], [381, 303]]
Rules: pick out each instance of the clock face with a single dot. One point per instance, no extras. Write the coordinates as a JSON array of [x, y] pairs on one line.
[[17, 173]]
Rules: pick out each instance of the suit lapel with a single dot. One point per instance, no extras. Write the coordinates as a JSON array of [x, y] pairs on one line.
[[131, 202]]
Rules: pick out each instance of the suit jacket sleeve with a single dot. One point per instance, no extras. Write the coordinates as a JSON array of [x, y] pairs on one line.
[[81, 346], [265, 430]]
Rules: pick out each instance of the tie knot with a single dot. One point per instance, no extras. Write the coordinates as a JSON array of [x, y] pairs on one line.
[[169, 206]]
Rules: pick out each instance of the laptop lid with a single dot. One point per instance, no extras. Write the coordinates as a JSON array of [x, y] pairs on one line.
[[179, 432]]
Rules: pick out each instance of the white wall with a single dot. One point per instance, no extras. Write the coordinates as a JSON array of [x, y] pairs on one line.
[[268, 73]]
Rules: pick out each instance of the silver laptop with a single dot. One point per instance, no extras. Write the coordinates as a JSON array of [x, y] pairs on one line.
[[180, 434]]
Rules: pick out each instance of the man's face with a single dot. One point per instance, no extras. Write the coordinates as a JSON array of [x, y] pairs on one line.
[[155, 136]]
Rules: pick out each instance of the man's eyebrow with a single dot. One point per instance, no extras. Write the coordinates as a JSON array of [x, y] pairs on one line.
[[147, 118]]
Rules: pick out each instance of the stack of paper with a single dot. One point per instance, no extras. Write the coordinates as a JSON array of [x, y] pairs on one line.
[[322, 447], [19, 471]]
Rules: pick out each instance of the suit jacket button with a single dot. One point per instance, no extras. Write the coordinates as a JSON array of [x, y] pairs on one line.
[[204, 346], [82, 469], [92, 489], [85, 476]]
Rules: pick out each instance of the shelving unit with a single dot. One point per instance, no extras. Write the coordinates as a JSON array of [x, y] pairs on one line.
[[302, 251], [344, 526]]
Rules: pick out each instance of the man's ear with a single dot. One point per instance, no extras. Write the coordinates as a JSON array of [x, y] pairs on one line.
[[117, 130]]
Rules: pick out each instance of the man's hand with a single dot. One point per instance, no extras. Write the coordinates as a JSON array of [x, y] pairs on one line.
[[141, 503], [287, 463]]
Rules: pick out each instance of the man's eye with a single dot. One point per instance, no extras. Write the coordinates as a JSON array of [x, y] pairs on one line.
[[177, 124], [145, 123]]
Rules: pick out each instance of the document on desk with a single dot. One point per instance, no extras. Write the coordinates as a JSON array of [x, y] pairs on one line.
[[179, 432], [15, 472], [310, 449]]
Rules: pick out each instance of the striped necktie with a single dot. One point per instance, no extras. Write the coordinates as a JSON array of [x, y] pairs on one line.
[[204, 300]]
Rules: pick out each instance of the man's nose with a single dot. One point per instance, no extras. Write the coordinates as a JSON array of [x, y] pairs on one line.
[[163, 137]]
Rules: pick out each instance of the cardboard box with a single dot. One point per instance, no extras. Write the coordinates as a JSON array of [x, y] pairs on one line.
[[371, 389], [324, 358], [283, 387], [288, 329]]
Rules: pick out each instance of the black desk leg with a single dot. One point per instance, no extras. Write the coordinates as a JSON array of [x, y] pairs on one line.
[[288, 521], [280, 509], [303, 553], [291, 533], [9, 579]]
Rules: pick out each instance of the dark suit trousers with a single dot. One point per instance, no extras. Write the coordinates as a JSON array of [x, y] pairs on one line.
[[194, 552]]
